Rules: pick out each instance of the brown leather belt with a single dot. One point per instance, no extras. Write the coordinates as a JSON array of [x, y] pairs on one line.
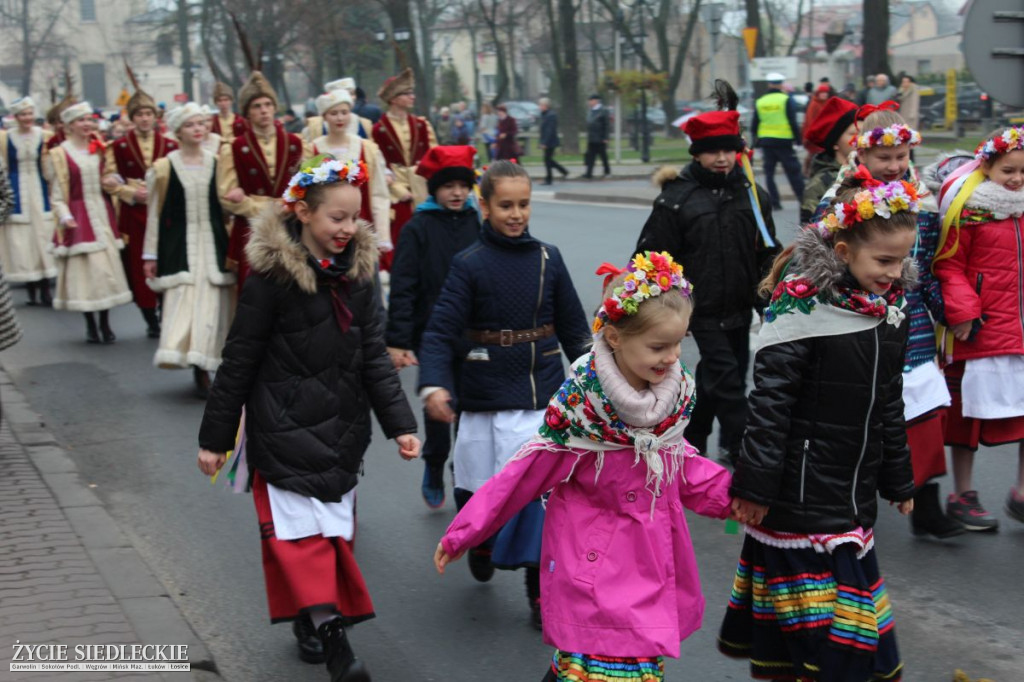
[[508, 337]]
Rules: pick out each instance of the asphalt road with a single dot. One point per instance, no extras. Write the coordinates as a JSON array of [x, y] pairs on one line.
[[132, 431]]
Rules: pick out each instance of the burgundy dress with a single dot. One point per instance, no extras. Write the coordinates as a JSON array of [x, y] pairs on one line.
[[508, 146]]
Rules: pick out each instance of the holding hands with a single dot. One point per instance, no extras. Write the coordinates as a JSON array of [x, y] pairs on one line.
[[749, 513]]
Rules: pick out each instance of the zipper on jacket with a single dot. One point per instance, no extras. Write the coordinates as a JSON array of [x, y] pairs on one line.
[[1020, 276], [867, 428], [803, 470], [536, 313]]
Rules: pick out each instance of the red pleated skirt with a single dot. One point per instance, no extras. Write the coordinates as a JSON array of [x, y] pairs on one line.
[[969, 432], [309, 573], [926, 439]]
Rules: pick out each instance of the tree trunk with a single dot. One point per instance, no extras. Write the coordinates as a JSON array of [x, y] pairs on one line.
[[26, 49], [186, 50], [570, 77], [754, 21], [876, 37]]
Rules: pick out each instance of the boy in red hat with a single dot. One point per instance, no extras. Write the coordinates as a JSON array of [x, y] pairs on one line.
[[446, 223], [833, 131], [708, 218]]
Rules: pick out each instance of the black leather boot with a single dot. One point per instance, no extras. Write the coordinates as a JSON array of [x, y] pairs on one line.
[[533, 595], [105, 330], [202, 380], [342, 663], [152, 322], [31, 288], [45, 297], [311, 648], [92, 335], [928, 517]]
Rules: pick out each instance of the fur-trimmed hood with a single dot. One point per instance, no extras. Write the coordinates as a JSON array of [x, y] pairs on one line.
[[1002, 202], [815, 258], [273, 252], [665, 174]]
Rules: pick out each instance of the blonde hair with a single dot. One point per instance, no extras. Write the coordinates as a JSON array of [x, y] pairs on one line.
[[881, 118], [650, 311]]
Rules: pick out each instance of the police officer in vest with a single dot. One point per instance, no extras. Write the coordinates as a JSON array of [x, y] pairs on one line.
[[775, 130]]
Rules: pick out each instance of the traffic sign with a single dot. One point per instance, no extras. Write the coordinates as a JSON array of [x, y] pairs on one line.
[[181, 97], [750, 40], [994, 48], [762, 66]]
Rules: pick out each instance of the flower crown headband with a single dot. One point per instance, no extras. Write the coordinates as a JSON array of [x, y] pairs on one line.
[[647, 275], [322, 170], [1010, 140], [877, 199], [890, 136]]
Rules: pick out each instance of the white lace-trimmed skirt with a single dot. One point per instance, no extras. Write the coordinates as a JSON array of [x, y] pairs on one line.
[[487, 440], [993, 388]]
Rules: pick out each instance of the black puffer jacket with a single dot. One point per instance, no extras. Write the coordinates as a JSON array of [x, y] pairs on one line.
[[502, 283], [825, 432], [706, 222], [307, 387]]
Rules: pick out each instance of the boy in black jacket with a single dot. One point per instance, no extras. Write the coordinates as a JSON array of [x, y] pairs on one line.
[[707, 217], [443, 225]]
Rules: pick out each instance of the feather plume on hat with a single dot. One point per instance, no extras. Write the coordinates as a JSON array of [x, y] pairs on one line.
[[140, 99]]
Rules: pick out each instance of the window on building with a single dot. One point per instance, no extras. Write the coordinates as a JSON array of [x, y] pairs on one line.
[[924, 66], [94, 84], [87, 10], [165, 50], [490, 83]]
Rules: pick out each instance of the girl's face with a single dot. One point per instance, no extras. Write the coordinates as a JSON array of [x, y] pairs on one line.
[[327, 230], [508, 209], [26, 118], [847, 143], [337, 117], [452, 195], [193, 130], [877, 262], [81, 127], [645, 359], [1007, 170], [887, 164]]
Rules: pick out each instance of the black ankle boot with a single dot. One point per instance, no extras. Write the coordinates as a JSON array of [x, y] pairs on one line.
[[152, 322], [31, 287], [928, 517], [45, 297], [202, 380], [311, 649], [92, 335], [342, 663], [533, 595], [105, 330]]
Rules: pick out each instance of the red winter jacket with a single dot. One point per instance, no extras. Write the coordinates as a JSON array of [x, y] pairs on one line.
[[984, 279]]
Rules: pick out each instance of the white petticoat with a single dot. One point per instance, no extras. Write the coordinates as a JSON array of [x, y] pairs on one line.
[[993, 388], [924, 389], [487, 440], [297, 516]]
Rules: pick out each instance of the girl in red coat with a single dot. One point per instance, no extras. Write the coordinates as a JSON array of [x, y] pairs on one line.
[[980, 267]]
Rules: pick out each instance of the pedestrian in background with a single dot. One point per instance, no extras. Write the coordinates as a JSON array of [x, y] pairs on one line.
[[869, 83], [598, 129], [549, 140], [507, 144], [443, 126], [910, 101], [492, 343], [442, 226], [825, 438], [307, 360], [980, 270], [707, 217], [488, 128], [881, 91], [620, 585], [775, 129]]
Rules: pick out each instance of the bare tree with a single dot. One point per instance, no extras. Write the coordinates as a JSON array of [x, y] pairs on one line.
[[489, 12], [565, 68], [35, 21], [876, 37]]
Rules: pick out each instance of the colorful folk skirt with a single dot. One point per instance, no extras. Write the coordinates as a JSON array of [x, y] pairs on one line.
[[812, 613], [310, 573], [572, 667]]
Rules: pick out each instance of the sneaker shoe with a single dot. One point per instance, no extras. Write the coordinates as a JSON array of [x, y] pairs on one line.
[[968, 511], [480, 564], [433, 486], [1015, 505]]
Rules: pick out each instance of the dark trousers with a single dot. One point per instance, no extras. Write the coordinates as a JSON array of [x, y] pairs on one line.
[[550, 164], [437, 442], [594, 150], [787, 157], [721, 387]]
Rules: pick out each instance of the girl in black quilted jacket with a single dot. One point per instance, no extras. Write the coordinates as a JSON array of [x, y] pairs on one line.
[[825, 437], [306, 357]]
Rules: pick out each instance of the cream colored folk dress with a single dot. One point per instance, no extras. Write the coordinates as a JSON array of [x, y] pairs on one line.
[[199, 302], [25, 250], [90, 275]]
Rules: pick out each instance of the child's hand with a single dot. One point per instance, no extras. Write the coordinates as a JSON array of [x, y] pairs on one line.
[[438, 406], [408, 446], [905, 507], [235, 196], [211, 462], [962, 331], [441, 558], [748, 512]]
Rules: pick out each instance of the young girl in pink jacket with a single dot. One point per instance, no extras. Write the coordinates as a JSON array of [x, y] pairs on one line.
[[618, 572]]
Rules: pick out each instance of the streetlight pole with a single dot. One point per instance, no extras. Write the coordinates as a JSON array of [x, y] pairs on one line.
[[645, 151], [618, 93]]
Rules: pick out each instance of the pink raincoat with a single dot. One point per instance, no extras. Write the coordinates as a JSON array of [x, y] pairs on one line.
[[616, 579]]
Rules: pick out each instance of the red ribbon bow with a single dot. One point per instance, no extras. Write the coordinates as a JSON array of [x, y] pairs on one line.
[[610, 272], [866, 179], [867, 109], [96, 145]]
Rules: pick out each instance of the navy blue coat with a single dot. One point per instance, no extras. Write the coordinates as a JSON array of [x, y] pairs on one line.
[[549, 129], [503, 283]]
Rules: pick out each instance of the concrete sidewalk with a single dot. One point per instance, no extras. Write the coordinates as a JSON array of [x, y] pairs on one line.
[[68, 575]]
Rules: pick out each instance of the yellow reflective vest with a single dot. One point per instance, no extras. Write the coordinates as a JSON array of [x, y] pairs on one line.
[[772, 120]]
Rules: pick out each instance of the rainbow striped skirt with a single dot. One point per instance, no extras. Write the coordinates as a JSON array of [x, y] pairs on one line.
[[803, 610], [574, 667]]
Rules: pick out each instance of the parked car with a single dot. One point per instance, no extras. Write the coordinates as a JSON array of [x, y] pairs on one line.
[[525, 113]]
